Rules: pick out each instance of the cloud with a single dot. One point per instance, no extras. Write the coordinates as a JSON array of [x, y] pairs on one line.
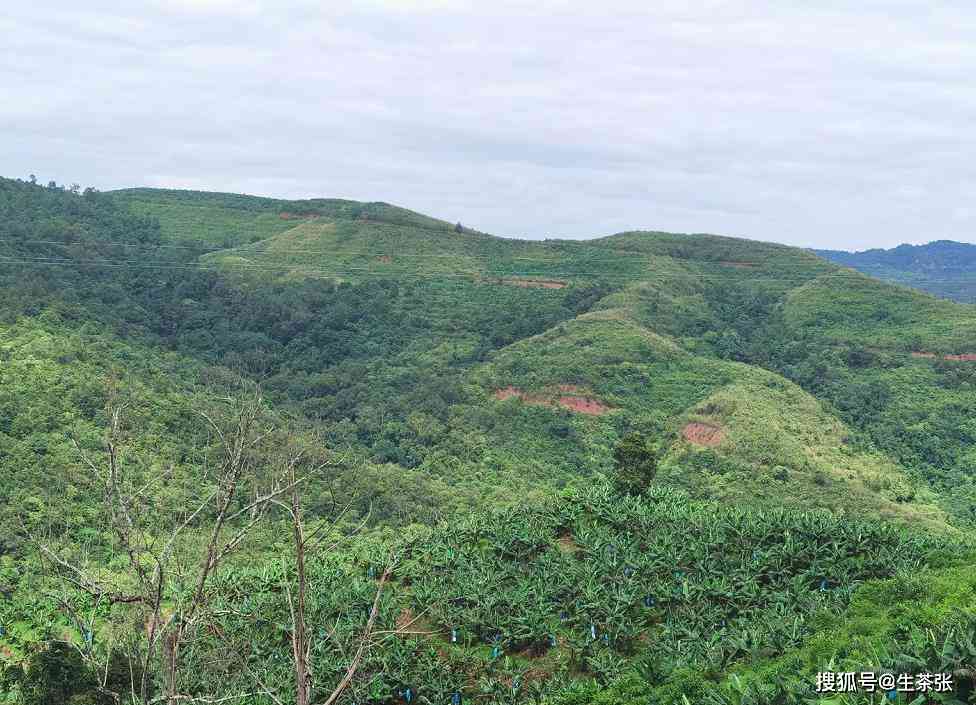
[[828, 125]]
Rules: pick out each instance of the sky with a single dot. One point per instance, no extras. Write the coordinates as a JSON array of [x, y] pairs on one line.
[[828, 124]]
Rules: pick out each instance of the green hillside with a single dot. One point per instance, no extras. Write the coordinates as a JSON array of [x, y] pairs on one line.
[[707, 294], [366, 247], [223, 220], [463, 400], [777, 443], [847, 307]]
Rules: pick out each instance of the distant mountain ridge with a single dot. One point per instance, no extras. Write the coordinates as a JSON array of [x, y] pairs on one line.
[[945, 268]]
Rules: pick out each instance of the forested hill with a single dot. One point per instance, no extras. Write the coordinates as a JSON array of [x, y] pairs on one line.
[[632, 468], [943, 267]]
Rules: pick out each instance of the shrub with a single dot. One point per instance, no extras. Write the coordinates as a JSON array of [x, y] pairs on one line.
[[635, 462]]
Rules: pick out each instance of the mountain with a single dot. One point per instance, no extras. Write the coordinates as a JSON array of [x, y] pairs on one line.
[[719, 303], [464, 402], [943, 267]]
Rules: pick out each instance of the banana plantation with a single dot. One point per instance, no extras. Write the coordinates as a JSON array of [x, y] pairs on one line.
[[514, 605]]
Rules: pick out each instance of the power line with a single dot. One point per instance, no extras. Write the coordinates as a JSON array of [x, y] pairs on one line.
[[621, 255], [516, 276], [247, 249]]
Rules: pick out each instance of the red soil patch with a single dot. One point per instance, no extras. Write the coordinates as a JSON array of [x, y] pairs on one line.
[[583, 405], [385, 259], [703, 434], [579, 404], [537, 283], [535, 399], [285, 215], [963, 357], [508, 393]]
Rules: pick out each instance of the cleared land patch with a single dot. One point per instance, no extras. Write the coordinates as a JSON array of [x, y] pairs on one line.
[[962, 357], [583, 405], [703, 434], [739, 265], [579, 404]]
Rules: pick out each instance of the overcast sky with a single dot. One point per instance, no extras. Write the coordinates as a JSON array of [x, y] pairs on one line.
[[828, 127]]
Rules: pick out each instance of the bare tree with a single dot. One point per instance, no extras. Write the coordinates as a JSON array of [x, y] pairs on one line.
[[304, 545], [168, 572], [323, 540]]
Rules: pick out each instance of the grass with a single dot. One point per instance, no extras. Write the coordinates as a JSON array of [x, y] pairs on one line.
[[204, 223]]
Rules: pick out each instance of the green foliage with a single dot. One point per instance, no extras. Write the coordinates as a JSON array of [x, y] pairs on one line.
[[58, 674], [572, 590], [911, 623], [453, 370], [635, 464]]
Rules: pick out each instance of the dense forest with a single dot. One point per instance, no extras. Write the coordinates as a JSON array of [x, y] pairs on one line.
[[266, 451]]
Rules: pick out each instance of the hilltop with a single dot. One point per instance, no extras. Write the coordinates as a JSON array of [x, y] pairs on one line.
[[470, 392]]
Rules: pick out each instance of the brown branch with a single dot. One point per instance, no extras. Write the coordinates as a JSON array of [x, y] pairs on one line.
[[351, 670], [90, 585]]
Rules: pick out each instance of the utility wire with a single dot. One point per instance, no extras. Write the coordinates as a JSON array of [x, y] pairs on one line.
[[259, 248], [504, 277]]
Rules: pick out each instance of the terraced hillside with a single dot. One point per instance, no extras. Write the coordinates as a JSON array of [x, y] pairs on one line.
[[792, 408]]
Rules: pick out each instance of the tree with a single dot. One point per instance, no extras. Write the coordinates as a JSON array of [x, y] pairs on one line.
[[307, 543], [459, 228], [171, 553], [635, 462]]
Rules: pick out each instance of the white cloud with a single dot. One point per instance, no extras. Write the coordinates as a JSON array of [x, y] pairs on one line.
[[817, 125]]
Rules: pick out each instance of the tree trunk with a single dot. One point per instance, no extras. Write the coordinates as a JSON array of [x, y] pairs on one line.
[[299, 641]]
